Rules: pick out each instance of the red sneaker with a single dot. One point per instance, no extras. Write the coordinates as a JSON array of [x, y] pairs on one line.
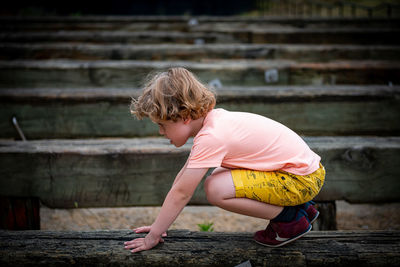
[[281, 233], [312, 213]]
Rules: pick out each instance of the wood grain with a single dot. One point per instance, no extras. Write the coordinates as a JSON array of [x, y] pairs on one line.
[[185, 248]]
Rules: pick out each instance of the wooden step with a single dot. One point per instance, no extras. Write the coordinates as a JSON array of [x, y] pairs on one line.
[[96, 112], [131, 73], [331, 35], [137, 172], [187, 248], [184, 23], [121, 37], [307, 53]]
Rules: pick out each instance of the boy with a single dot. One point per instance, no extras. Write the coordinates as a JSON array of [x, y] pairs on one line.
[[263, 169]]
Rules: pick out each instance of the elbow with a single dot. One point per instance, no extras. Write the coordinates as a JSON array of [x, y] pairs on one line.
[[181, 196]]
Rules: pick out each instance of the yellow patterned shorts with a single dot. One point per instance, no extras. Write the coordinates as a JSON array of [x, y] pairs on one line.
[[278, 187]]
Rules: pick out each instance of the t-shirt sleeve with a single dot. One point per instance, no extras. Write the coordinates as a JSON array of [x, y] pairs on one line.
[[207, 152]]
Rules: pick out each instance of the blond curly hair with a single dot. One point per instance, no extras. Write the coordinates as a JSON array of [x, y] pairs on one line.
[[173, 95]]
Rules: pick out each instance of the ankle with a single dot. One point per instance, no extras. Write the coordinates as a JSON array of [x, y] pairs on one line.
[[288, 214]]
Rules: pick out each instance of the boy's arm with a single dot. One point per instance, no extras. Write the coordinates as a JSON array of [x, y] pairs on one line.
[[180, 172], [176, 199]]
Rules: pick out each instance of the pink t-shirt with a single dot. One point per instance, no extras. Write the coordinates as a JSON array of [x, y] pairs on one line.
[[250, 141]]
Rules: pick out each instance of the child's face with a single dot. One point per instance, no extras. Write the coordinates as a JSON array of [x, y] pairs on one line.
[[177, 132]]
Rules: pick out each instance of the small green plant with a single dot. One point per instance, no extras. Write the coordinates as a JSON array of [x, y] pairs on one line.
[[76, 14], [206, 227]]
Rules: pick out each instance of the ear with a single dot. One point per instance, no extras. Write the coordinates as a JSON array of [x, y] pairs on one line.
[[187, 121]]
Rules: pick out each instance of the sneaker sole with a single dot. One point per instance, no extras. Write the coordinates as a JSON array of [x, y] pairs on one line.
[[288, 241]]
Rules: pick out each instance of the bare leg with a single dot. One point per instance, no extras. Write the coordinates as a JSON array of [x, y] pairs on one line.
[[220, 192]]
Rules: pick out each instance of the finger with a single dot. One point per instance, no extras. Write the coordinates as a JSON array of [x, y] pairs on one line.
[[130, 246], [134, 243], [142, 229], [133, 246], [130, 242], [164, 234], [161, 240], [138, 249]]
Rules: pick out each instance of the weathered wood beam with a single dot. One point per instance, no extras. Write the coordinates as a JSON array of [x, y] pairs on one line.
[[331, 35], [76, 113], [27, 23], [327, 216], [139, 172], [286, 20], [130, 73], [119, 36], [298, 52], [184, 248]]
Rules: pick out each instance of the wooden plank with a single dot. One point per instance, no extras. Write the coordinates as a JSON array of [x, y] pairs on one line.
[[181, 22], [130, 73], [75, 113], [289, 20], [320, 36], [139, 172], [327, 216], [382, 36], [298, 52], [185, 248], [118, 36]]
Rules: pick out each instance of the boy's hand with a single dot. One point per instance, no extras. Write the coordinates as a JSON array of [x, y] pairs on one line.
[[140, 244], [146, 243], [146, 229]]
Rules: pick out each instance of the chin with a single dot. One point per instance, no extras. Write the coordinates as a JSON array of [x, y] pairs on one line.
[[179, 145]]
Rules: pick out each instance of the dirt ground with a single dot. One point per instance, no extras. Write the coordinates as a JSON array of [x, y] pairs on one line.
[[349, 217]]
